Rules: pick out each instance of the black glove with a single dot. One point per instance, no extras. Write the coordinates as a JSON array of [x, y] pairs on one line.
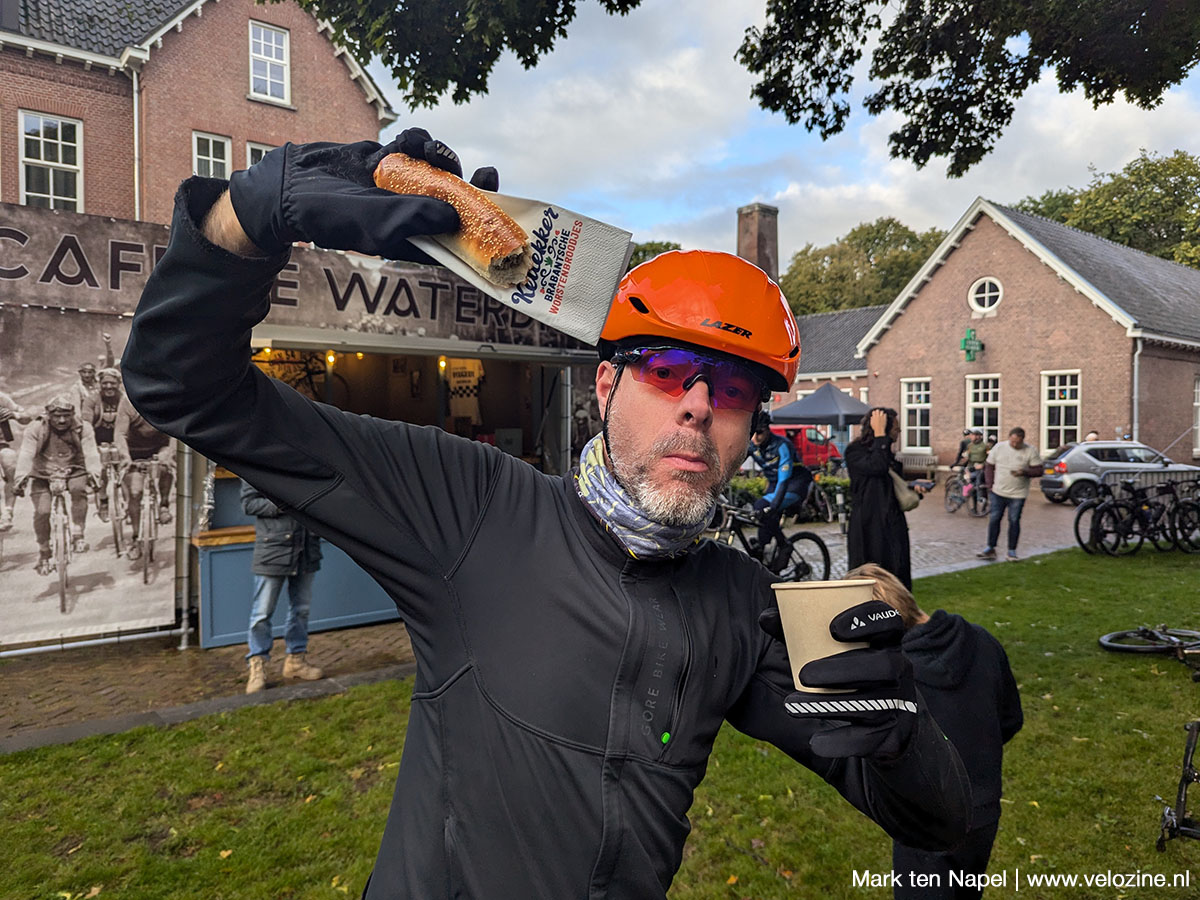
[[878, 718], [325, 193]]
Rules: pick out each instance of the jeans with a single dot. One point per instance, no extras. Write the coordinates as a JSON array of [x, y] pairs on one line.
[[266, 594], [1014, 505]]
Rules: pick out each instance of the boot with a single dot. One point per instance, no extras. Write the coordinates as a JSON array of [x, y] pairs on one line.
[[258, 675], [296, 665]]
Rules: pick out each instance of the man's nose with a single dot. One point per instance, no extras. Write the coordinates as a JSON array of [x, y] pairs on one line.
[[695, 406]]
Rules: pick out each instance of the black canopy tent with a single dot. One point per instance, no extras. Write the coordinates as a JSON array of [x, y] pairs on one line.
[[825, 406]]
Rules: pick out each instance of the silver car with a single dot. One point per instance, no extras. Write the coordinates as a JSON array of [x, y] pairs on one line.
[[1073, 472]]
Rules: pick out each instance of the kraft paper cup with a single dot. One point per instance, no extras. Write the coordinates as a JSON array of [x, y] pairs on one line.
[[806, 608]]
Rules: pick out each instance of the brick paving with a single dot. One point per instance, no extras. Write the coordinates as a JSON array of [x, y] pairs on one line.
[[55, 693]]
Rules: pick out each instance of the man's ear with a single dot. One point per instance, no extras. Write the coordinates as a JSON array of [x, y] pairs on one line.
[[605, 373]]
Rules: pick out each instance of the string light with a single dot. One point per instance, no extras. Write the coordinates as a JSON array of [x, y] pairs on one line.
[[330, 357]]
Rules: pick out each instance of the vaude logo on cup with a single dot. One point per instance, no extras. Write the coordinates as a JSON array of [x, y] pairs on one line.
[[553, 249]]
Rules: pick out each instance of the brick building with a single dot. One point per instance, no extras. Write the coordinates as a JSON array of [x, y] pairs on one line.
[[1074, 333]]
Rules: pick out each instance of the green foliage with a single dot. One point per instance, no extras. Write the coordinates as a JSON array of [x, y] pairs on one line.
[[866, 267], [1152, 205], [747, 488], [954, 70], [648, 250]]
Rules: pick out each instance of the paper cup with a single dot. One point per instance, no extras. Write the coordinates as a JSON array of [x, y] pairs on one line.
[[806, 608]]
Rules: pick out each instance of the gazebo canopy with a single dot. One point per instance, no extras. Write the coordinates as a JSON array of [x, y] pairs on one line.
[[825, 406]]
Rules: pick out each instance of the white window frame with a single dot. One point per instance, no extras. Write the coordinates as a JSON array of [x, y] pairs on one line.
[[216, 139], [1196, 417], [285, 64], [251, 146], [985, 310], [906, 406], [973, 403], [862, 395], [1045, 445], [23, 160]]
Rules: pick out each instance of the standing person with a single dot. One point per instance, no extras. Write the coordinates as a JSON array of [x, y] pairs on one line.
[[878, 531], [1009, 467], [284, 552], [578, 644], [964, 676], [11, 413], [136, 440], [788, 481], [57, 443]]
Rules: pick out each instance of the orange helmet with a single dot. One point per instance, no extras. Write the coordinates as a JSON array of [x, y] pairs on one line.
[[711, 300]]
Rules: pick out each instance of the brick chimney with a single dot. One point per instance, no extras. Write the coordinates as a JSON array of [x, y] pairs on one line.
[[10, 15], [758, 236]]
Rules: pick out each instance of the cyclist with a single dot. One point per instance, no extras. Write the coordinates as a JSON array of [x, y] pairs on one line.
[[788, 482], [577, 627], [55, 442], [968, 435], [135, 440], [100, 409], [10, 412], [975, 456]]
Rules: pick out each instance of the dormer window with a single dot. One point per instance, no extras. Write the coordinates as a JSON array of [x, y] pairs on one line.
[[270, 77]]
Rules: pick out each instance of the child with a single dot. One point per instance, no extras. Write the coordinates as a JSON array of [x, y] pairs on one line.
[[963, 675]]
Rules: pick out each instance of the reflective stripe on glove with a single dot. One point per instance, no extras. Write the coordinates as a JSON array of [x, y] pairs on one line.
[[325, 193], [877, 719]]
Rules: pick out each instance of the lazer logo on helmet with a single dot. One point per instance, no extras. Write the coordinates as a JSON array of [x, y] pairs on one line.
[[725, 326]]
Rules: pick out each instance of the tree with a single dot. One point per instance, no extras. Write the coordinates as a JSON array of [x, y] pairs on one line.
[[868, 266], [649, 250], [1152, 205], [953, 68]]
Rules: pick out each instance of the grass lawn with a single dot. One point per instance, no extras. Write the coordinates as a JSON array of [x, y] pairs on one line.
[[289, 800]]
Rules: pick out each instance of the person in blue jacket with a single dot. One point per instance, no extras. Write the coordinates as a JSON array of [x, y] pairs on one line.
[[788, 481]]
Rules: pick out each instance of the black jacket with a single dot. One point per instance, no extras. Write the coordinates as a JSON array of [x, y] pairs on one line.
[[878, 531], [567, 696], [282, 546], [964, 676]]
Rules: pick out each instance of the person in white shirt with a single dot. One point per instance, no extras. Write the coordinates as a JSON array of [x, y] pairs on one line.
[[1008, 470]]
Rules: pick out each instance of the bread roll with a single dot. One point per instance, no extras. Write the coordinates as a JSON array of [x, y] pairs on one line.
[[489, 240]]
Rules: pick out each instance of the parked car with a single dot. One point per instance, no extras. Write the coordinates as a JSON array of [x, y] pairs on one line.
[[1072, 472], [811, 446]]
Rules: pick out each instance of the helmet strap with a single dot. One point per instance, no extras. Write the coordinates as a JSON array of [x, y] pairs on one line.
[[620, 367]]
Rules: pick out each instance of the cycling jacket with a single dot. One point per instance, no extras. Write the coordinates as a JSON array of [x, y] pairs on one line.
[[784, 473], [567, 695]]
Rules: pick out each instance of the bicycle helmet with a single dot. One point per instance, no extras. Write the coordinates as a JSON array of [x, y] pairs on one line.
[[711, 301]]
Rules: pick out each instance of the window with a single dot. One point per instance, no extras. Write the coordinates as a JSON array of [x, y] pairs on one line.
[[51, 162], [269, 65], [862, 395], [210, 155], [914, 414], [983, 403], [1060, 409], [1196, 417], [985, 295], [255, 152]]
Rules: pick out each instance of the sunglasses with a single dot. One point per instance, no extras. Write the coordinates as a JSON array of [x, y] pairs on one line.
[[673, 371]]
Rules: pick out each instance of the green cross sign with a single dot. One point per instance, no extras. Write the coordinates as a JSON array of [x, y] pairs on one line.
[[971, 345]]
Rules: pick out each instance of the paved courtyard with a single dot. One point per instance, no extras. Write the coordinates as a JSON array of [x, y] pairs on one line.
[[52, 697]]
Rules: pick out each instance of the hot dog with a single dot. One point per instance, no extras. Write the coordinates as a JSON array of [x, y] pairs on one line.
[[489, 240]]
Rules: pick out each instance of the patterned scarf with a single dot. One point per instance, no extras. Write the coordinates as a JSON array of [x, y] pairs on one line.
[[640, 536]]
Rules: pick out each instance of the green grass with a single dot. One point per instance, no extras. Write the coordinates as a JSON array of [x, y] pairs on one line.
[[297, 793]]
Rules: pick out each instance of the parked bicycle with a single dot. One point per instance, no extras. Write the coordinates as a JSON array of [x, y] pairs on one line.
[[816, 506], [1120, 525], [802, 556], [1180, 643], [963, 490], [1175, 821]]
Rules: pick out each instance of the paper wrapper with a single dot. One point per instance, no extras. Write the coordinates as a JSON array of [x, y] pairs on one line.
[[577, 263]]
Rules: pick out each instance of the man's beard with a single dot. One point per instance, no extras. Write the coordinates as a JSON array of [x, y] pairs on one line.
[[689, 496]]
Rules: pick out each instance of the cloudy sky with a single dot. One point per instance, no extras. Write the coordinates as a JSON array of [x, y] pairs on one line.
[[646, 122]]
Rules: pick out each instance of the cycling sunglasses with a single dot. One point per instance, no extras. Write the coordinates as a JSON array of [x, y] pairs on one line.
[[674, 370]]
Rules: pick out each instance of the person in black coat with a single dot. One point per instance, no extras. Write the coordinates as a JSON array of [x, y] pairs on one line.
[[284, 553], [963, 674], [878, 531]]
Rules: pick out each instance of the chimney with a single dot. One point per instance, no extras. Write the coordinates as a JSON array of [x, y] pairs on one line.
[[758, 236], [10, 15]]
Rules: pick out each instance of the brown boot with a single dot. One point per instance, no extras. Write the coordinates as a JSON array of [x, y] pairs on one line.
[[296, 665], [258, 675]]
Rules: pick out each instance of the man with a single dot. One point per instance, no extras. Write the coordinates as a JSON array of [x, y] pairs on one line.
[[974, 456], [284, 552], [137, 441], [87, 384], [1008, 470], [967, 437], [10, 413], [100, 409], [578, 645], [57, 445], [788, 483]]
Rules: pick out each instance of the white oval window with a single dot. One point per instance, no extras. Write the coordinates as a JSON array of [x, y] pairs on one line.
[[985, 294]]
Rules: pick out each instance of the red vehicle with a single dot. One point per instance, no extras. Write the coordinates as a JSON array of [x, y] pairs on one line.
[[811, 446]]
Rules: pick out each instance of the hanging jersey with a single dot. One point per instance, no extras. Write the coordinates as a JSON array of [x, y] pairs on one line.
[[464, 376]]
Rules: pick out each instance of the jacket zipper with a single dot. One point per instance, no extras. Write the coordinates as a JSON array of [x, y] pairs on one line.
[[681, 683]]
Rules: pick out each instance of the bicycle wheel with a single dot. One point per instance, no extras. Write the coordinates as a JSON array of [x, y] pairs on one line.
[[1159, 531], [808, 559], [954, 494], [825, 508], [1085, 524], [1118, 531], [1185, 525], [116, 511], [62, 551], [979, 502], [149, 529], [1144, 640]]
